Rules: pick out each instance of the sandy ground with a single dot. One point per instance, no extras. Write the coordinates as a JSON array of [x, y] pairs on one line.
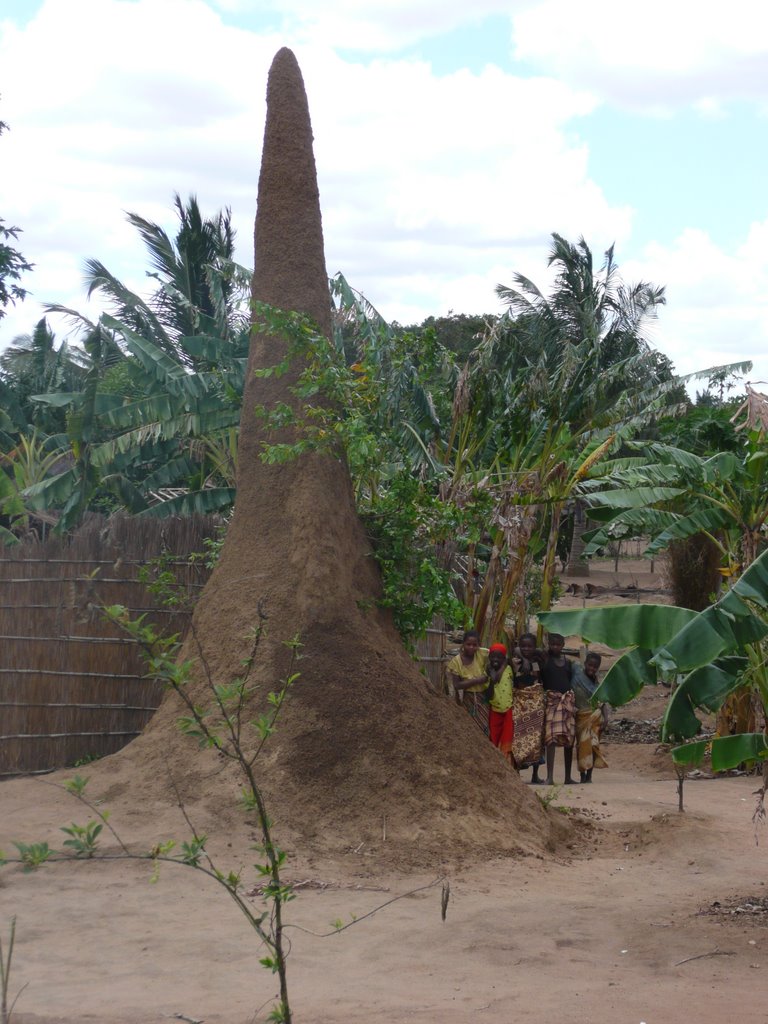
[[647, 916], [597, 936]]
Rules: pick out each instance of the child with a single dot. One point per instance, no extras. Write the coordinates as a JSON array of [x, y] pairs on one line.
[[467, 673], [501, 726], [528, 707], [560, 713], [590, 721]]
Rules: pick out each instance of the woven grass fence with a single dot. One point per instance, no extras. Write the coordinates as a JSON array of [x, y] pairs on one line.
[[72, 687], [431, 653]]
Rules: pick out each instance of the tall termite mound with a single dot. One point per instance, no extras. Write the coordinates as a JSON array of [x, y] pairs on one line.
[[363, 750]]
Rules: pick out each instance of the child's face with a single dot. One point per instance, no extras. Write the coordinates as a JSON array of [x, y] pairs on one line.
[[527, 647], [496, 659], [556, 645], [591, 667]]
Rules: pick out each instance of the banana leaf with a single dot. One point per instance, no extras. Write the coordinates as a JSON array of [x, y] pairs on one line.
[[625, 679], [211, 499], [7, 538], [709, 519], [727, 751], [634, 497], [723, 628], [629, 522], [629, 625], [705, 687]]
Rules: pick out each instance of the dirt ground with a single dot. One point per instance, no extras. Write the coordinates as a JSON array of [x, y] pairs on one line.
[[651, 916], [645, 915]]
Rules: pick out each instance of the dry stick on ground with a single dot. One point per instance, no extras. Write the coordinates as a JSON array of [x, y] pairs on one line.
[[702, 956], [395, 899]]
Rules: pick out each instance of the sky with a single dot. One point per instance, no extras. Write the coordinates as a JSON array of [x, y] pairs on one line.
[[451, 140]]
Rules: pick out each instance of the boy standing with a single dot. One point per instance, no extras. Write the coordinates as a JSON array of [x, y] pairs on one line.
[[560, 713], [590, 721]]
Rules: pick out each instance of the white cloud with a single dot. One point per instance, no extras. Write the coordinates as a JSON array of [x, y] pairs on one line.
[[654, 55], [433, 188], [717, 301], [376, 25]]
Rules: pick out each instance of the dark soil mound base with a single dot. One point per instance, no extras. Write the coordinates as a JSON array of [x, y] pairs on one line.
[[370, 757]]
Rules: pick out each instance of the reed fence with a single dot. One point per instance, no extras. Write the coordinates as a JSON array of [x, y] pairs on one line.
[[71, 686], [432, 654]]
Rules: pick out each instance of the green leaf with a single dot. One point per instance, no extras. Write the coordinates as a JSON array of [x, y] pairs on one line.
[[752, 585], [731, 751], [705, 687], [704, 519], [634, 497], [205, 502], [691, 753], [727, 751], [642, 625], [626, 678], [723, 628]]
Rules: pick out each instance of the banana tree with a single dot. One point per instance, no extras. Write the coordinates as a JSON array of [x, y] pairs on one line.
[[671, 494], [710, 654]]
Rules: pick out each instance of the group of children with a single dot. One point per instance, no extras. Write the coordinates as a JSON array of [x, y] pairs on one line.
[[532, 702]]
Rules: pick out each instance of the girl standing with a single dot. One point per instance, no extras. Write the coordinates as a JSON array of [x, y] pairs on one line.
[[501, 725], [467, 673]]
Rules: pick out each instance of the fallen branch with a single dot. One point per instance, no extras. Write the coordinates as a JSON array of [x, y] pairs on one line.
[[702, 956]]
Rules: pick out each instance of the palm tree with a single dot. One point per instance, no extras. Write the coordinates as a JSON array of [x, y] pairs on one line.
[[33, 365], [201, 293], [557, 382], [585, 347], [156, 417]]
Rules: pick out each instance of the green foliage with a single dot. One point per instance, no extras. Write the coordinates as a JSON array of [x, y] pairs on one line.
[[547, 799], [86, 759], [710, 654], [32, 855], [406, 524], [12, 263], [6, 961], [160, 578], [12, 266], [83, 838]]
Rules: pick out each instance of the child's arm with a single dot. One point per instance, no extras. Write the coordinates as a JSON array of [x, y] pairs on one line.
[[464, 684]]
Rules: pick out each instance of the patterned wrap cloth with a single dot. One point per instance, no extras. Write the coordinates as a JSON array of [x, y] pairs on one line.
[[528, 712], [560, 719], [589, 726]]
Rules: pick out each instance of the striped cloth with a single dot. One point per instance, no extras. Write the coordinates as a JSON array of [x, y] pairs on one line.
[[477, 708], [560, 719]]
